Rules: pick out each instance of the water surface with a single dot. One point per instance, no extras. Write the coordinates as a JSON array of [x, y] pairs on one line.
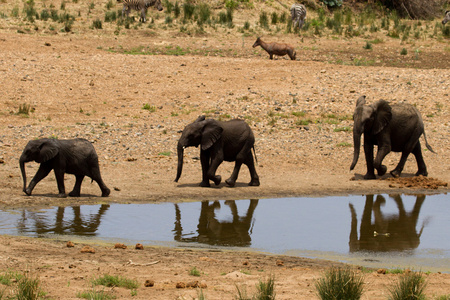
[[392, 231]]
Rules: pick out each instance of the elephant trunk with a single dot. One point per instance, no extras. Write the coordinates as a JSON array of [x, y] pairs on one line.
[[180, 152], [356, 147], [22, 169]]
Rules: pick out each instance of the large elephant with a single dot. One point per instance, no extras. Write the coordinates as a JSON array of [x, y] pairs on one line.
[[230, 141], [395, 127], [75, 156]]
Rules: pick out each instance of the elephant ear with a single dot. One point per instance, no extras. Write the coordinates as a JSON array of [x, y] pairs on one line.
[[383, 115], [212, 132], [200, 118], [48, 150], [361, 101]]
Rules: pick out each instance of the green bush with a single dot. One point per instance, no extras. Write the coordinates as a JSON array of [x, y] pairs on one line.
[[97, 24], [188, 10], [410, 285], [110, 16], [30, 11], [263, 20], [274, 18], [340, 284]]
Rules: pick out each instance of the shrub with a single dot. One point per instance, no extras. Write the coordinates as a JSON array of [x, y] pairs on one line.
[[45, 14], [339, 283], [176, 10], [409, 286], [109, 4], [404, 51], [110, 16], [266, 290], [97, 24], [274, 18], [368, 46], [203, 13], [115, 281], [263, 20], [188, 10], [30, 11]]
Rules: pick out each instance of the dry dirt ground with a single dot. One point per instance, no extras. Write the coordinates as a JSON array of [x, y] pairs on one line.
[[84, 84]]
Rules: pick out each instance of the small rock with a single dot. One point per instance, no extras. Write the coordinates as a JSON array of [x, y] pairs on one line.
[[149, 283], [87, 249], [139, 246], [280, 263], [381, 271], [70, 244], [120, 246], [180, 285], [192, 284]]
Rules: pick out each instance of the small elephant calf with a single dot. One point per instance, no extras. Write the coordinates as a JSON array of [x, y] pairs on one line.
[[276, 48], [75, 156]]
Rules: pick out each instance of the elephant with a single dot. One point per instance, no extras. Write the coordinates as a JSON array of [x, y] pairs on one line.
[[386, 232], [76, 156], [219, 140], [393, 127]]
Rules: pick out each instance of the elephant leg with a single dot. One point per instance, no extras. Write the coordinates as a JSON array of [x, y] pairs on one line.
[[216, 160], [422, 168], [401, 164], [77, 187], [381, 154], [368, 151], [232, 180], [40, 174], [250, 162], [204, 159], [59, 174], [98, 178]]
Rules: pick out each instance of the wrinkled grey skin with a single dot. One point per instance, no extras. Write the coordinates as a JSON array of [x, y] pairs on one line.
[[446, 17], [75, 156], [140, 5], [395, 127], [219, 141]]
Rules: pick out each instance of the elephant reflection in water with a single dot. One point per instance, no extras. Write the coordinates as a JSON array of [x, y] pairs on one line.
[[78, 225], [386, 233], [214, 232]]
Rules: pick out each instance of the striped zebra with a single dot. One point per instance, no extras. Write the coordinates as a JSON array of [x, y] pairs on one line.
[[446, 18], [140, 5], [298, 14]]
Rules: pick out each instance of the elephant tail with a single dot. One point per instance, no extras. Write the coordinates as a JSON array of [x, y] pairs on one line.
[[254, 152], [426, 143]]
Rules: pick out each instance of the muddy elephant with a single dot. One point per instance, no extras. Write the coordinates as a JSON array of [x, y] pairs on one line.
[[219, 141], [385, 233], [77, 157], [393, 127]]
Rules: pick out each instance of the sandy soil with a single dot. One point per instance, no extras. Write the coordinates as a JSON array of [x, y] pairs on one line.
[[83, 84]]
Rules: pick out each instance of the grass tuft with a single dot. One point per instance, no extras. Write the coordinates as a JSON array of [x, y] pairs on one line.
[[410, 285], [115, 281], [340, 283]]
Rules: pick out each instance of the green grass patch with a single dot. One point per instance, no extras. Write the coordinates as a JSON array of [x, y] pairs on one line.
[[95, 295], [340, 129], [115, 281], [194, 272], [150, 108]]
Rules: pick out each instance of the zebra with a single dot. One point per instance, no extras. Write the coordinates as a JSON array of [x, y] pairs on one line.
[[140, 5], [298, 14], [446, 17]]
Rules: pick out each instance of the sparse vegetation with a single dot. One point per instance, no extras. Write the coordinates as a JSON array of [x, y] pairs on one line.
[[115, 281], [340, 284], [194, 272], [411, 285]]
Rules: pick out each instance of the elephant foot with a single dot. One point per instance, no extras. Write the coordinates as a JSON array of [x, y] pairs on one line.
[[230, 182], [423, 173], [254, 182], [204, 184], [62, 195], [74, 194], [370, 176], [395, 173], [382, 170], [106, 192], [217, 179]]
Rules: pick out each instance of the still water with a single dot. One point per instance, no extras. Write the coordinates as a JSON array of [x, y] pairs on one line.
[[392, 231]]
